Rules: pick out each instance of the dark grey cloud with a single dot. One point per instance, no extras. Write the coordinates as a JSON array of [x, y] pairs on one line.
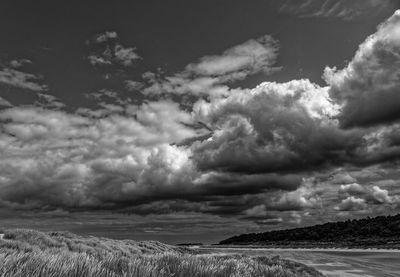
[[79, 161], [61, 159], [216, 183], [274, 127], [305, 196]]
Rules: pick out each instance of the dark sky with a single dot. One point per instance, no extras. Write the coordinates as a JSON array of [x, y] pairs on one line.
[[195, 120], [52, 35]]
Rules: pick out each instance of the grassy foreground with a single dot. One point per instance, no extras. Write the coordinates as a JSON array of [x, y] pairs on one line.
[[33, 253]]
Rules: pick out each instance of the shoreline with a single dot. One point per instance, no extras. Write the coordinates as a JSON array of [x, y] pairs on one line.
[[370, 250]]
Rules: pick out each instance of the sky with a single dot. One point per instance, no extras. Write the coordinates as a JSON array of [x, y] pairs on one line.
[[192, 121]]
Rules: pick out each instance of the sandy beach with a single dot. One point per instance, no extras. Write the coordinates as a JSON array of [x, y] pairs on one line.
[[333, 262]]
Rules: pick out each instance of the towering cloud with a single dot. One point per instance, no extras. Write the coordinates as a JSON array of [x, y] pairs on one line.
[[274, 127], [368, 88]]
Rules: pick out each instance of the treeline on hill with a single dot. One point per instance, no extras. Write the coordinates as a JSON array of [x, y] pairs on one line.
[[381, 231]]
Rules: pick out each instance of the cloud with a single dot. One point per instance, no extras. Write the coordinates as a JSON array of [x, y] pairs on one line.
[[21, 79], [107, 50], [207, 76], [270, 221], [370, 194], [276, 154], [368, 87], [353, 188], [258, 211], [49, 101], [352, 203], [133, 85], [342, 178], [106, 97], [103, 37], [381, 195], [227, 183], [125, 56], [306, 196], [250, 57], [4, 103], [274, 127], [379, 144], [99, 60], [286, 127], [53, 158], [343, 9], [17, 63]]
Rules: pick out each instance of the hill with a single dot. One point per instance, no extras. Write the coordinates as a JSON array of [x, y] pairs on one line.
[[26, 253], [380, 232]]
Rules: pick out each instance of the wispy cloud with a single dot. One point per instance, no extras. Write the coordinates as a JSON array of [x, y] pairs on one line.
[[250, 57], [107, 50], [21, 79], [49, 101], [106, 36], [210, 73], [344, 9], [17, 63]]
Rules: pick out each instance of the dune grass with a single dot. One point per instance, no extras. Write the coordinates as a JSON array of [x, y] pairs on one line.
[[32, 253]]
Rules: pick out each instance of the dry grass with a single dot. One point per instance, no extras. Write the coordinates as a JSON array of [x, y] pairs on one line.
[[32, 253]]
